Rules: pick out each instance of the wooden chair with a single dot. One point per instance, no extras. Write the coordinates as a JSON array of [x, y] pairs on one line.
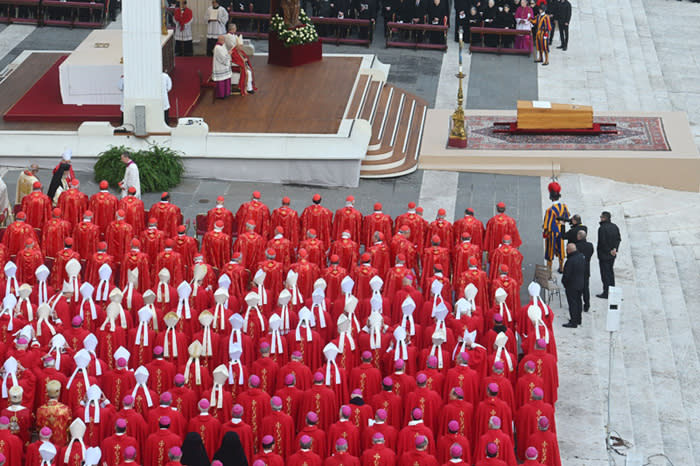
[[549, 285]]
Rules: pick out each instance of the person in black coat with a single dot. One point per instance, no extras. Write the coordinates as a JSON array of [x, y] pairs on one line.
[[563, 15], [419, 10], [608, 242], [490, 13], [576, 226], [585, 248], [505, 20], [461, 13], [573, 281], [437, 16]]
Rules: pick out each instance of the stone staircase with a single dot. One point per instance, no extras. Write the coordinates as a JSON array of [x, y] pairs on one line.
[[397, 119], [657, 364]]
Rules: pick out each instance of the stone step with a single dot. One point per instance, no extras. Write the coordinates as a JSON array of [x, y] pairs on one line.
[[664, 389], [683, 342]]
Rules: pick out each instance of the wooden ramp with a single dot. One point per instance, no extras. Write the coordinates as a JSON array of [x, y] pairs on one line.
[[397, 119]]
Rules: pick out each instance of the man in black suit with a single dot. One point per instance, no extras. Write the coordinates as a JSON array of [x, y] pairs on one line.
[[585, 248], [608, 242], [563, 16], [573, 281], [571, 234]]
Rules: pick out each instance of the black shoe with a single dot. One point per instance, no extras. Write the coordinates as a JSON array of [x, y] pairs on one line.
[[560, 270], [563, 49], [570, 324], [586, 308], [560, 47], [602, 296]]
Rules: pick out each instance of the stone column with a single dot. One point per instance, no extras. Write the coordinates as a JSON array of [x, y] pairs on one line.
[[143, 62], [199, 24]]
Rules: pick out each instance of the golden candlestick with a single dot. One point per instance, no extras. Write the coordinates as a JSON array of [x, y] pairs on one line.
[[458, 133], [163, 27]]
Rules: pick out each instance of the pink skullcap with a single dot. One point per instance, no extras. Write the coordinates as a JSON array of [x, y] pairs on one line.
[[121, 423], [121, 362], [341, 442], [175, 451], [22, 341], [366, 355], [543, 422], [130, 453], [381, 414], [2, 457], [420, 440], [289, 379], [268, 440], [541, 343], [4, 420], [164, 421], [76, 321], [492, 387], [456, 451], [264, 346], [179, 379], [410, 277], [158, 350], [421, 378], [458, 391], [305, 439], [537, 392], [312, 417], [45, 432], [378, 436], [498, 365], [356, 392], [166, 397], [217, 463], [237, 410], [417, 413], [495, 422], [297, 354], [453, 426], [318, 377], [254, 380], [276, 401], [530, 365], [346, 411], [203, 404], [388, 382], [432, 361], [128, 400], [498, 318], [399, 364], [259, 462], [464, 356], [491, 448], [531, 453]]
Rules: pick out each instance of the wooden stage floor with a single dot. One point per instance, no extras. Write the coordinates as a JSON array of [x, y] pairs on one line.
[[310, 99]]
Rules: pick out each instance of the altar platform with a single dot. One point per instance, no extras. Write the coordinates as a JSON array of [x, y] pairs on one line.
[[650, 148], [320, 124]]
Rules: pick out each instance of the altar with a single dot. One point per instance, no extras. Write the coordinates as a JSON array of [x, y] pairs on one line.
[[91, 74]]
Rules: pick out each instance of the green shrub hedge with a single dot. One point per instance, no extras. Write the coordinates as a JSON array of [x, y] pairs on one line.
[[160, 168]]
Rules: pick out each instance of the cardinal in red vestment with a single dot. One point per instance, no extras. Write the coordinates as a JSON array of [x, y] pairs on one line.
[[415, 428], [507, 255], [464, 250], [305, 456], [187, 247], [152, 241], [495, 436], [159, 443], [347, 218], [167, 214], [347, 250], [267, 455], [118, 237], [255, 212], [442, 228], [315, 248], [37, 206], [171, 261], [447, 442], [376, 221], [251, 245], [333, 276], [472, 225], [133, 211], [86, 236], [135, 259], [401, 245], [545, 441], [378, 454], [219, 212], [256, 405], [28, 260], [319, 218], [104, 205], [73, 203], [116, 445], [64, 256], [17, 233], [216, 246], [286, 219], [497, 227], [346, 430], [280, 426], [244, 431]]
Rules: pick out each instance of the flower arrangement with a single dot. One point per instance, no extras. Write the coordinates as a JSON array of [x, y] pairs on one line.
[[289, 35]]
